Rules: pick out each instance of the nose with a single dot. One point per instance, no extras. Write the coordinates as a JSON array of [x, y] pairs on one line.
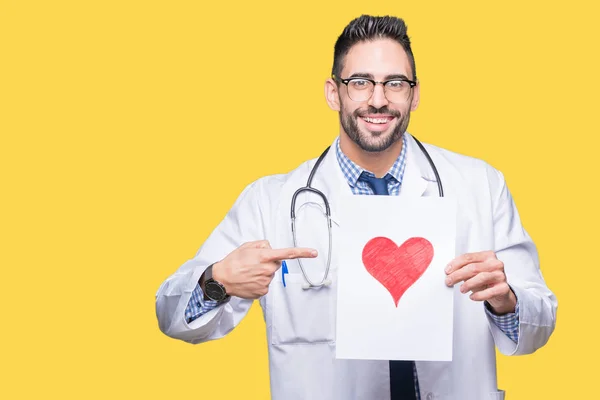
[[378, 98]]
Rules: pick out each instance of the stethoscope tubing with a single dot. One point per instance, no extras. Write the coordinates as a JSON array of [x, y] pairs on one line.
[[324, 281]]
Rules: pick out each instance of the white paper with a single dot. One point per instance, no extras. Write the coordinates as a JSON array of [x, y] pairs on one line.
[[369, 324]]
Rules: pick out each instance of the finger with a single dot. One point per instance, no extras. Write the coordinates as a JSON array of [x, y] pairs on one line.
[[465, 273], [263, 244], [256, 244], [468, 258], [248, 245], [268, 269], [265, 280], [495, 290], [481, 288], [271, 255], [470, 270], [481, 280]]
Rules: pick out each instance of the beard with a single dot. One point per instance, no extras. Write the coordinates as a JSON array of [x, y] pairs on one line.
[[374, 141]]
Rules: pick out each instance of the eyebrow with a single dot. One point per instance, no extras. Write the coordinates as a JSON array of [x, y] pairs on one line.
[[370, 76]]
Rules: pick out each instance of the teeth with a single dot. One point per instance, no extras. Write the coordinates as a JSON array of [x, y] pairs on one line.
[[376, 120]]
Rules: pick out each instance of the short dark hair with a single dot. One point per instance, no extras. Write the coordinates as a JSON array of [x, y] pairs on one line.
[[367, 28]]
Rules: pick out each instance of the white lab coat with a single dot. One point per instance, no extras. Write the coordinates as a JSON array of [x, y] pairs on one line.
[[300, 324]]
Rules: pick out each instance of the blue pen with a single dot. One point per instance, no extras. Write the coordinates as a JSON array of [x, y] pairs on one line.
[[284, 270]]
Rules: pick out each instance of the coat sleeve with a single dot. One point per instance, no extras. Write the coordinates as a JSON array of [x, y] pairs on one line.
[[515, 248], [243, 223]]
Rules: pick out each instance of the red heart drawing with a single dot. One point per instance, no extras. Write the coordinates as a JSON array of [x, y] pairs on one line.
[[397, 268]]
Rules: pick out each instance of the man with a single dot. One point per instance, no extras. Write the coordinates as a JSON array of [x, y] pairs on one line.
[[500, 295]]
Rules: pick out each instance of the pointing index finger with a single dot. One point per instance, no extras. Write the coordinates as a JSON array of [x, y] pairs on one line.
[[288, 254]]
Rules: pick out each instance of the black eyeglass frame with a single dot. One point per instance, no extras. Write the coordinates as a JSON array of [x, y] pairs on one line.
[[412, 84], [373, 81]]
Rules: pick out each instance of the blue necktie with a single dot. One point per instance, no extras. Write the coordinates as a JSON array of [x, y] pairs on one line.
[[402, 379]]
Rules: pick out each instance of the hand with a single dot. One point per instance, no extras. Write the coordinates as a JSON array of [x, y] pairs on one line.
[[247, 271], [483, 275]]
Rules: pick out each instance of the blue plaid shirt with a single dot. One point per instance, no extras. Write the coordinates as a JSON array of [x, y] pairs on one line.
[[508, 323]]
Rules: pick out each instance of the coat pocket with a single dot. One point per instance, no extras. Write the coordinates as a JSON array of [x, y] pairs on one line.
[[303, 316]]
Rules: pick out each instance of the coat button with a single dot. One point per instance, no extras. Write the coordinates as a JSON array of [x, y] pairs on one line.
[[429, 396]]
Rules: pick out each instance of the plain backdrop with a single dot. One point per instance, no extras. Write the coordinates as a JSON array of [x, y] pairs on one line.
[[129, 128]]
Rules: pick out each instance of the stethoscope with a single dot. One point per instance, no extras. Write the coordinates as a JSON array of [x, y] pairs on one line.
[[326, 281]]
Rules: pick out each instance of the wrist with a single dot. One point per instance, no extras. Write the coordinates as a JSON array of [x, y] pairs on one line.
[[217, 272], [212, 286], [505, 306]]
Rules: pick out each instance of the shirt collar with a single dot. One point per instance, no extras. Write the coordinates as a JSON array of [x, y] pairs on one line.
[[352, 171]]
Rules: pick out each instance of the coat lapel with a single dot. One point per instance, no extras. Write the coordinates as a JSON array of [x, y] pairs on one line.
[[417, 174]]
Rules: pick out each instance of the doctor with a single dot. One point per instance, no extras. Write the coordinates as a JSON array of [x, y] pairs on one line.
[[501, 300]]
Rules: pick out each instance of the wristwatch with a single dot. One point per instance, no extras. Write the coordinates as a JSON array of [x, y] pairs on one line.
[[213, 289]]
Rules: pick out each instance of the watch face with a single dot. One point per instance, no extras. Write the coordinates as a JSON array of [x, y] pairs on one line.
[[214, 291]]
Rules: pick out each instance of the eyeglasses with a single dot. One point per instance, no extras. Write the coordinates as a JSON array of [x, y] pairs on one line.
[[396, 90]]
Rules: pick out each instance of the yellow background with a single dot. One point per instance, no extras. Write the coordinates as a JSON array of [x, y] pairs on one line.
[[128, 128]]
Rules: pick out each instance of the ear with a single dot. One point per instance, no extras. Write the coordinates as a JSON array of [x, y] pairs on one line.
[[416, 97], [332, 95]]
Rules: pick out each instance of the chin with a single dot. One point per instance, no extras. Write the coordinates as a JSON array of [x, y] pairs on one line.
[[376, 141], [375, 146]]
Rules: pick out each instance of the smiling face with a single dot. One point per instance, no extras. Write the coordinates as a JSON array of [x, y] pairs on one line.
[[374, 124]]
